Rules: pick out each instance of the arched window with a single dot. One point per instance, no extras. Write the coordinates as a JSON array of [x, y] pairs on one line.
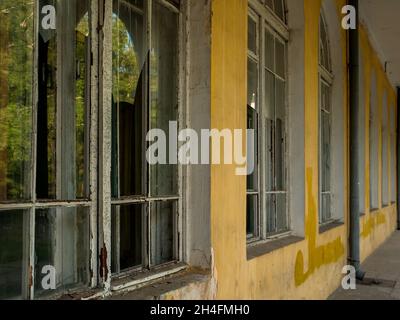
[[325, 123]]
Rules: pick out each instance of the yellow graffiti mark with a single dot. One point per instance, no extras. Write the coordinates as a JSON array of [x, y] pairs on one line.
[[318, 256], [371, 223]]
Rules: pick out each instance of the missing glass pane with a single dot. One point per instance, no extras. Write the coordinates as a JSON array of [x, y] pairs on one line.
[[128, 232]]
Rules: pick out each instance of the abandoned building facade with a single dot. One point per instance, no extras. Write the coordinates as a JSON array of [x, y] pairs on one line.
[[83, 81]]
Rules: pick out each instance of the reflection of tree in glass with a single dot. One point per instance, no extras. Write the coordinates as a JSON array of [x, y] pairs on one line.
[[125, 63], [16, 47]]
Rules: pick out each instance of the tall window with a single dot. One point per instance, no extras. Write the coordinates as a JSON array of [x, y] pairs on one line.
[[45, 200], [145, 96], [267, 212], [373, 146], [385, 136], [393, 164], [325, 124]]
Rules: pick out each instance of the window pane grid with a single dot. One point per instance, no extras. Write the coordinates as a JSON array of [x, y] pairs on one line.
[[157, 187], [59, 172], [275, 168], [325, 126], [271, 114]]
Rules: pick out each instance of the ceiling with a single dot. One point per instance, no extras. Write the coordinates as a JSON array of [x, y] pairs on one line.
[[382, 18]]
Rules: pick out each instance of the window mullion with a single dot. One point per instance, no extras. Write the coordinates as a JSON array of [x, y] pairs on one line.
[[262, 212], [29, 267], [147, 210]]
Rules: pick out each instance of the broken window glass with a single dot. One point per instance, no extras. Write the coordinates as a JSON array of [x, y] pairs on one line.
[[63, 106], [144, 96], [16, 84], [127, 237]]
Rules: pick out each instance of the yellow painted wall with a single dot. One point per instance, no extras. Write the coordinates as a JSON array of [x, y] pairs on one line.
[[310, 269], [376, 226]]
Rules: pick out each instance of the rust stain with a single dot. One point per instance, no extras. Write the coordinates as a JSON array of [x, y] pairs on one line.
[[103, 263], [30, 281]]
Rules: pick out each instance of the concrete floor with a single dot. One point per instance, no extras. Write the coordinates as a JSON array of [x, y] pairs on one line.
[[383, 265]]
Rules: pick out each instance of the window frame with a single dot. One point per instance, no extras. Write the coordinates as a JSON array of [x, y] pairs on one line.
[[268, 21], [393, 163], [326, 78], [122, 279], [385, 129], [34, 203]]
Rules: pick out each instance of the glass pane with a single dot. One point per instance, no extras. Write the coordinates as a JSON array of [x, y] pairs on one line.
[[271, 213], [324, 46], [251, 214], [280, 137], [269, 51], [12, 236], [325, 214], [16, 55], [326, 151], [127, 237], [281, 213], [252, 84], [252, 179], [252, 35], [269, 3], [279, 9], [62, 237], [163, 229], [325, 97], [280, 60], [269, 110], [269, 154], [269, 113], [128, 96], [277, 218], [164, 91], [137, 3], [63, 108]]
